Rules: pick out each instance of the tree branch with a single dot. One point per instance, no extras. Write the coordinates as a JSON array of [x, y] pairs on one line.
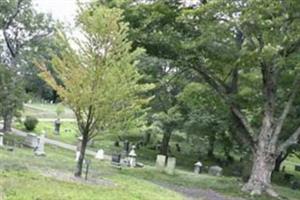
[[286, 109], [221, 89], [293, 139]]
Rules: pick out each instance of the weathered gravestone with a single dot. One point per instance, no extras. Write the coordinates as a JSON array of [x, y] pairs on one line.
[[1, 139], [31, 140], [160, 162], [132, 157], [100, 154], [215, 171], [39, 151], [198, 167], [171, 164]]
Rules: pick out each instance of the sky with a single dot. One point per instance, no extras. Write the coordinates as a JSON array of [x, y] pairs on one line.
[[63, 10]]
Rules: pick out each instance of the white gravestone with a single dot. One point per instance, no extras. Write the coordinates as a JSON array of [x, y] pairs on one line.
[[100, 154], [160, 162], [1, 139], [41, 146], [198, 167], [170, 168], [132, 157], [31, 140]]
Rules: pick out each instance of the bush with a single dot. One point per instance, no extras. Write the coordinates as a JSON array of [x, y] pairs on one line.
[[30, 123]]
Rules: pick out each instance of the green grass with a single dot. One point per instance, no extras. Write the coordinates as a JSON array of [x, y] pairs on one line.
[[41, 110], [21, 179]]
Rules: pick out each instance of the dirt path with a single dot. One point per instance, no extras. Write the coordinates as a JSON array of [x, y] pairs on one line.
[[196, 193]]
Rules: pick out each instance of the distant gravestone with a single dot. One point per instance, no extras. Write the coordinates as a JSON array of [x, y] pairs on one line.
[[1, 139], [100, 154], [40, 146], [132, 157], [171, 164], [215, 171], [31, 140], [160, 162], [198, 167]]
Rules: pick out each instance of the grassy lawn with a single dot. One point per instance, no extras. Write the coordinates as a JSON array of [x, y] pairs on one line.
[[21, 178], [41, 110]]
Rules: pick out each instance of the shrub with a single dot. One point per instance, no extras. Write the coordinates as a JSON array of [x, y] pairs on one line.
[[30, 123]]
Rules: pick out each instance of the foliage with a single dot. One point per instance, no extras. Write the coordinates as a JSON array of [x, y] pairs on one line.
[[60, 109], [30, 123]]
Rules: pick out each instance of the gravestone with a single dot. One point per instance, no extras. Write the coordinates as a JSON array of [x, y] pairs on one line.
[[100, 154], [171, 164], [198, 167], [40, 146], [297, 167], [57, 124], [160, 162], [31, 140], [1, 139], [215, 170], [132, 157]]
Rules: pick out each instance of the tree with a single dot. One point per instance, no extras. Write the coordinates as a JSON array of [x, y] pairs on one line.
[[243, 50], [99, 77], [23, 28]]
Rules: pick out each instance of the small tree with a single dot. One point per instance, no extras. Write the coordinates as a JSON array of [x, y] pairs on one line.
[[100, 78]]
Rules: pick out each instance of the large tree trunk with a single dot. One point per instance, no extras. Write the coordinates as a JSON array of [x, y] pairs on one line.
[[263, 164], [165, 143], [79, 165], [7, 121]]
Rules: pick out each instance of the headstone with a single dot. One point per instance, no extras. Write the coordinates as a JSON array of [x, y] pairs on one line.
[[198, 167], [40, 147], [132, 157], [171, 164], [297, 167], [215, 170], [1, 139], [100, 154], [57, 124], [116, 158], [160, 162], [31, 140]]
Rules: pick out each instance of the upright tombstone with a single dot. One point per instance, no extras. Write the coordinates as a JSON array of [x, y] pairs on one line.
[[100, 154], [132, 157], [171, 164], [160, 162], [1, 139], [31, 140], [198, 167], [57, 124], [40, 146]]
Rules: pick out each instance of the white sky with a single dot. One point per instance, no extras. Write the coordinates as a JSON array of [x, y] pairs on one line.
[[63, 10]]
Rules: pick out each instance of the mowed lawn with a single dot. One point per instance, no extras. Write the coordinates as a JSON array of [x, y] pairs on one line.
[[26, 177]]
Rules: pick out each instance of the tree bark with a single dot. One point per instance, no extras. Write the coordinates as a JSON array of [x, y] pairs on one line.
[[79, 165], [165, 143], [7, 118]]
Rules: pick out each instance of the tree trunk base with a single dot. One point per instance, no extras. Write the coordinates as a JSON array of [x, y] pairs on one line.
[[258, 188]]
